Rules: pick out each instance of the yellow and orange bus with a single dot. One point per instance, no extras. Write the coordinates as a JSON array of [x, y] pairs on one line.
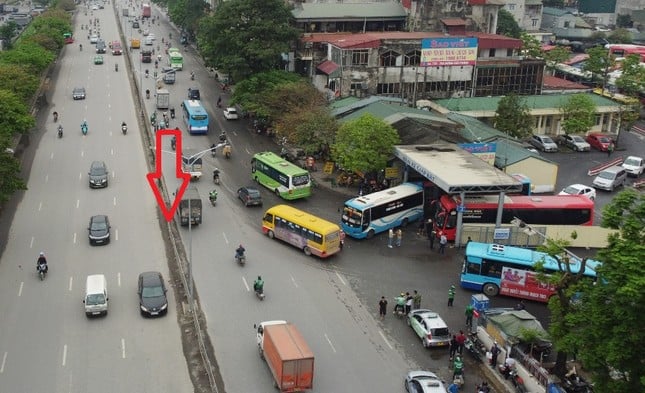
[[311, 234]]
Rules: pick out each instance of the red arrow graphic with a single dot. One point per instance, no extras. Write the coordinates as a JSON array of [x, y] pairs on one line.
[[179, 173]]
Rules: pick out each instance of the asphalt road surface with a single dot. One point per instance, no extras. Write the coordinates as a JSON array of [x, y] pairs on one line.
[[46, 342]]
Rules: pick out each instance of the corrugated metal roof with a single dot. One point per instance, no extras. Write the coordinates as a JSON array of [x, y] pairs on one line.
[[348, 11], [554, 11], [533, 102], [474, 130], [509, 153], [533, 2], [369, 40], [327, 67]]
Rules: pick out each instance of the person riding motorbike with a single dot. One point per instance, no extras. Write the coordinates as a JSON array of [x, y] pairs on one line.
[[400, 303], [147, 72], [222, 137], [192, 75], [216, 175], [156, 63], [60, 131], [124, 127], [258, 285], [227, 150], [212, 196], [116, 67], [239, 252], [457, 367], [80, 46], [84, 127], [173, 142], [41, 263], [147, 93], [55, 116]]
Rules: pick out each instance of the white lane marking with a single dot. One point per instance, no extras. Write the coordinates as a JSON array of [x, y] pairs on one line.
[[40, 206], [22, 285], [118, 278], [247, 151], [293, 280], [46, 178], [111, 152], [78, 202], [385, 339], [123, 348], [246, 284], [113, 175], [31, 243], [341, 279], [114, 201], [51, 156], [116, 234], [330, 344], [80, 176], [71, 282], [74, 237], [4, 360], [225, 238], [64, 354], [82, 152]]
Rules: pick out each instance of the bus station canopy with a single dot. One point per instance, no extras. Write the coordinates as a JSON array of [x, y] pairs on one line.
[[456, 170]]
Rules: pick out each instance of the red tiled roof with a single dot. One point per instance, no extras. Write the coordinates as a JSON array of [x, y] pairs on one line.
[[453, 21], [553, 83], [373, 39], [327, 67], [576, 59]]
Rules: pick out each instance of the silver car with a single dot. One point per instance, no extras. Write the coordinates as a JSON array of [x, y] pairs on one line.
[[543, 143], [575, 142]]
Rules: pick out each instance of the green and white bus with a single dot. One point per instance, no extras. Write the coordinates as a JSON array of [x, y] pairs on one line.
[[280, 176], [175, 60]]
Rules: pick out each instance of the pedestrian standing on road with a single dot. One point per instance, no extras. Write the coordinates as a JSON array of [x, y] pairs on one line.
[[470, 310], [494, 352], [399, 235], [390, 237], [408, 303], [461, 340], [451, 295], [453, 346], [610, 149], [382, 307], [443, 240], [430, 232], [416, 300]]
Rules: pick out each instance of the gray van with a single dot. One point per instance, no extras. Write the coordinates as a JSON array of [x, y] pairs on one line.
[[610, 178], [100, 46]]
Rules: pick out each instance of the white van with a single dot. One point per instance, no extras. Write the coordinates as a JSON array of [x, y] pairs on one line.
[[96, 296]]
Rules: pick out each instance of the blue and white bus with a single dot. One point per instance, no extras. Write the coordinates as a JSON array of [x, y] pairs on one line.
[[495, 269], [195, 116], [367, 215]]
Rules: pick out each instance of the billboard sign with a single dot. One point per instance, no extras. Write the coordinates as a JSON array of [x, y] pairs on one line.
[[484, 151], [448, 52]]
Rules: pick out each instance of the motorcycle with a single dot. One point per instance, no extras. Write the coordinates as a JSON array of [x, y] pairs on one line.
[[227, 151], [55, 117], [573, 383], [124, 129], [80, 46], [399, 311], [517, 381], [116, 67], [60, 131], [216, 178], [172, 113], [173, 143], [192, 76], [84, 129], [472, 349], [212, 197], [259, 293], [147, 94], [42, 272], [240, 259]]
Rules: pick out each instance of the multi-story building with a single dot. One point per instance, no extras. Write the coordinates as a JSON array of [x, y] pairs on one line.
[[527, 13]]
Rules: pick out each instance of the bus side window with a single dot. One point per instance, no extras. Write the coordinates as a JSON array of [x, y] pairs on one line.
[[472, 268], [491, 269]]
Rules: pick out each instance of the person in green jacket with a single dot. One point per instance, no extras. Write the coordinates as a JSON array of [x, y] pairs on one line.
[[470, 310], [451, 295], [400, 303]]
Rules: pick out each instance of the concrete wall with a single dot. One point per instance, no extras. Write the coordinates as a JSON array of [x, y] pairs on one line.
[[543, 175], [588, 236]]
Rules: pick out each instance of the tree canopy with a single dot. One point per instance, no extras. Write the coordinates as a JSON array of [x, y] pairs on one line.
[[579, 114], [531, 47], [246, 37], [556, 55], [599, 62], [251, 93], [364, 144], [632, 79], [620, 36], [506, 24], [187, 13], [512, 116]]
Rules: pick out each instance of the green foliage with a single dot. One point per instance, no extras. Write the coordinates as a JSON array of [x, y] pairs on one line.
[[14, 115], [531, 47], [579, 114], [512, 117], [364, 144], [609, 338], [9, 171], [33, 57], [294, 96], [632, 80], [7, 31], [620, 36], [599, 62], [188, 13], [22, 84], [246, 37], [250, 93], [506, 24], [312, 130], [556, 55], [624, 20]]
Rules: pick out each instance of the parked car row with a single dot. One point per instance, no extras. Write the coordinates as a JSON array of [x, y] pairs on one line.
[[578, 143]]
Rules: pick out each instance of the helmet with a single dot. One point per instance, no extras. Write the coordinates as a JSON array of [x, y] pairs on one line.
[[42, 254], [402, 294], [259, 277]]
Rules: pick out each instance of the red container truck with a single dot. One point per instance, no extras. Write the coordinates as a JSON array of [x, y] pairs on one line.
[[146, 11], [287, 354]]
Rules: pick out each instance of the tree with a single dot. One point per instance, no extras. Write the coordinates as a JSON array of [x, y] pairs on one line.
[[250, 93], [507, 25], [313, 130], [512, 117], [14, 115], [7, 31], [609, 341], [624, 21], [31, 56], [364, 144], [632, 78], [556, 55], [188, 13], [620, 36], [531, 47], [246, 37], [10, 181], [292, 97], [22, 84], [579, 114], [598, 63]]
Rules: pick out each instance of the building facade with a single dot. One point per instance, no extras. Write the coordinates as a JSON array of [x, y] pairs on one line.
[[527, 13]]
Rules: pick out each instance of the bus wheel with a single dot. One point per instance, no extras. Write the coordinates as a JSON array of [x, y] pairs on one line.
[[277, 193], [404, 223], [271, 234], [307, 251], [370, 234], [491, 289]]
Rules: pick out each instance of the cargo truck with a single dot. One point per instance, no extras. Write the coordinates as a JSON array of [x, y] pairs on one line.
[[287, 354], [146, 55], [190, 197], [146, 11], [163, 99]]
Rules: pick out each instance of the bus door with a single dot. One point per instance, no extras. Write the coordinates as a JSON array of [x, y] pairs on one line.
[[366, 219]]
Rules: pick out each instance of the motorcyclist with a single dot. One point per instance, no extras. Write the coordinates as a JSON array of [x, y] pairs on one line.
[[60, 130], [216, 174], [41, 263], [147, 72], [84, 126], [239, 252], [400, 303], [457, 367], [147, 92], [80, 46], [192, 75], [173, 142], [212, 196], [55, 116], [258, 285], [227, 150], [116, 67], [222, 137]]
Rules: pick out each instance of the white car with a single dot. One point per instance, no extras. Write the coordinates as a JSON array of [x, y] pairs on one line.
[[579, 189], [151, 36], [94, 39], [230, 113], [634, 166], [423, 382]]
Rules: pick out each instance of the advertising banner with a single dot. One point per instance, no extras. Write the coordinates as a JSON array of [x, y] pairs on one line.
[[448, 51]]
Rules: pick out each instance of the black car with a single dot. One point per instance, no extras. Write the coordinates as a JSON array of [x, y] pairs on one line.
[[98, 174], [250, 196], [152, 294], [99, 230], [193, 93]]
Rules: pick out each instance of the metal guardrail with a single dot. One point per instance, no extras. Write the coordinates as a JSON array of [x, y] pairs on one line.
[[532, 366]]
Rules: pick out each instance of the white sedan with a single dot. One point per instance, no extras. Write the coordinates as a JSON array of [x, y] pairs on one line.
[[230, 113], [579, 189], [423, 382]]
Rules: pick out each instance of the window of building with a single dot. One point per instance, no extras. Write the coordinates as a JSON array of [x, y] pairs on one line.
[[511, 7], [509, 52], [598, 120], [535, 22], [412, 58], [387, 88], [359, 57], [388, 59], [491, 52]]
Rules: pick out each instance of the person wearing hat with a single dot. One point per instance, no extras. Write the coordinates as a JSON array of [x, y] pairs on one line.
[[451, 295]]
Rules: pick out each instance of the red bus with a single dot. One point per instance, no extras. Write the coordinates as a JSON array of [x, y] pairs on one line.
[[624, 50], [534, 210]]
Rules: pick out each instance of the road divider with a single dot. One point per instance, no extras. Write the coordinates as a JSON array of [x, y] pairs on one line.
[[597, 169]]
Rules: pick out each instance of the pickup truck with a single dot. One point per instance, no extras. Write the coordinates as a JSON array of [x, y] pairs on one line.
[[287, 354]]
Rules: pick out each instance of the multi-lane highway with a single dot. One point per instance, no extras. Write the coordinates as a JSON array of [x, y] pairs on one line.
[[46, 342]]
